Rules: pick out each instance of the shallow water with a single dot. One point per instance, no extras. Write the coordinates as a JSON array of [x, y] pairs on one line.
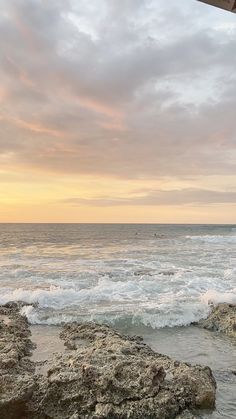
[[48, 342], [199, 346]]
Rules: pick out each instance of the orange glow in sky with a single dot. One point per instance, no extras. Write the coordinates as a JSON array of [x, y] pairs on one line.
[[114, 112]]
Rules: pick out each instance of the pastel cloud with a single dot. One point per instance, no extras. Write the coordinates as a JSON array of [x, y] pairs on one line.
[[135, 89], [186, 196]]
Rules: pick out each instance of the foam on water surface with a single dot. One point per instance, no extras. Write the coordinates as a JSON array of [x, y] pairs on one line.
[[215, 297], [155, 275], [139, 278]]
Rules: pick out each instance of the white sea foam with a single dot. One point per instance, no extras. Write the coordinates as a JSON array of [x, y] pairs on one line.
[[151, 302], [59, 297], [31, 314], [154, 320], [216, 297], [132, 279]]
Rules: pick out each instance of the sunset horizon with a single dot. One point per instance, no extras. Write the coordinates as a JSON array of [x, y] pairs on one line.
[[118, 113]]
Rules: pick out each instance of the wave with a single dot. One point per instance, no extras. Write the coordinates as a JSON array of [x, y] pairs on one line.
[[215, 297], [156, 320], [116, 303], [132, 303], [60, 297], [217, 239]]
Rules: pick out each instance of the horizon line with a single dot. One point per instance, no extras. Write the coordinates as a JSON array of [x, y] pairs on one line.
[[115, 223]]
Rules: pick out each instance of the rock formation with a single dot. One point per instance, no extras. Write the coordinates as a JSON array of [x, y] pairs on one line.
[[16, 370], [102, 374], [222, 319]]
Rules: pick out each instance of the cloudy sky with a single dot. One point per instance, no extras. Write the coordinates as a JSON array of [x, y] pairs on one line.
[[117, 111]]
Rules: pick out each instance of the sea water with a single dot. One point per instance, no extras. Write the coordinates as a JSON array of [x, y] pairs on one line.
[[154, 279], [154, 275]]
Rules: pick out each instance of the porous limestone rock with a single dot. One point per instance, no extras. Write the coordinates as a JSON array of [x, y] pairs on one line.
[[102, 375], [222, 319], [115, 376], [16, 370]]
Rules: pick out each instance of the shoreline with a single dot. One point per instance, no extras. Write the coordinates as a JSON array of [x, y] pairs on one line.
[[98, 371]]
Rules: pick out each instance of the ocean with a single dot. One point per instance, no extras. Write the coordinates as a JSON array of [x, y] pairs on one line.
[[148, 279], [123, 274]]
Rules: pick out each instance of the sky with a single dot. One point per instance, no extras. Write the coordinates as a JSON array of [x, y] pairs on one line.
[[117, 111]]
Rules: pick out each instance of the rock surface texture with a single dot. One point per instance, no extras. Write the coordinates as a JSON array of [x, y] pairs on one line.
[[222, 319], [16, 370], [102, 374]]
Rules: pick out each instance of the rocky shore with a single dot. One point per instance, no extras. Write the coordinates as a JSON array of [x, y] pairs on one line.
[[101, 374], [222, 319]]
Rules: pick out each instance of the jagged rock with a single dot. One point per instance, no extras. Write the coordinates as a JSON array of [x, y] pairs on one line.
[[103, 375], [16, 369], [222, 319], [115, 376]]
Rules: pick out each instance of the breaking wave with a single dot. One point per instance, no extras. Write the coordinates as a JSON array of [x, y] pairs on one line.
[[215, 297], [154, 320], [125, 304], [117, 276]]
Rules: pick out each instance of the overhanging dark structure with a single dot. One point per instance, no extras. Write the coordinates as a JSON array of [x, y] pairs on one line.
[[229, 5]]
